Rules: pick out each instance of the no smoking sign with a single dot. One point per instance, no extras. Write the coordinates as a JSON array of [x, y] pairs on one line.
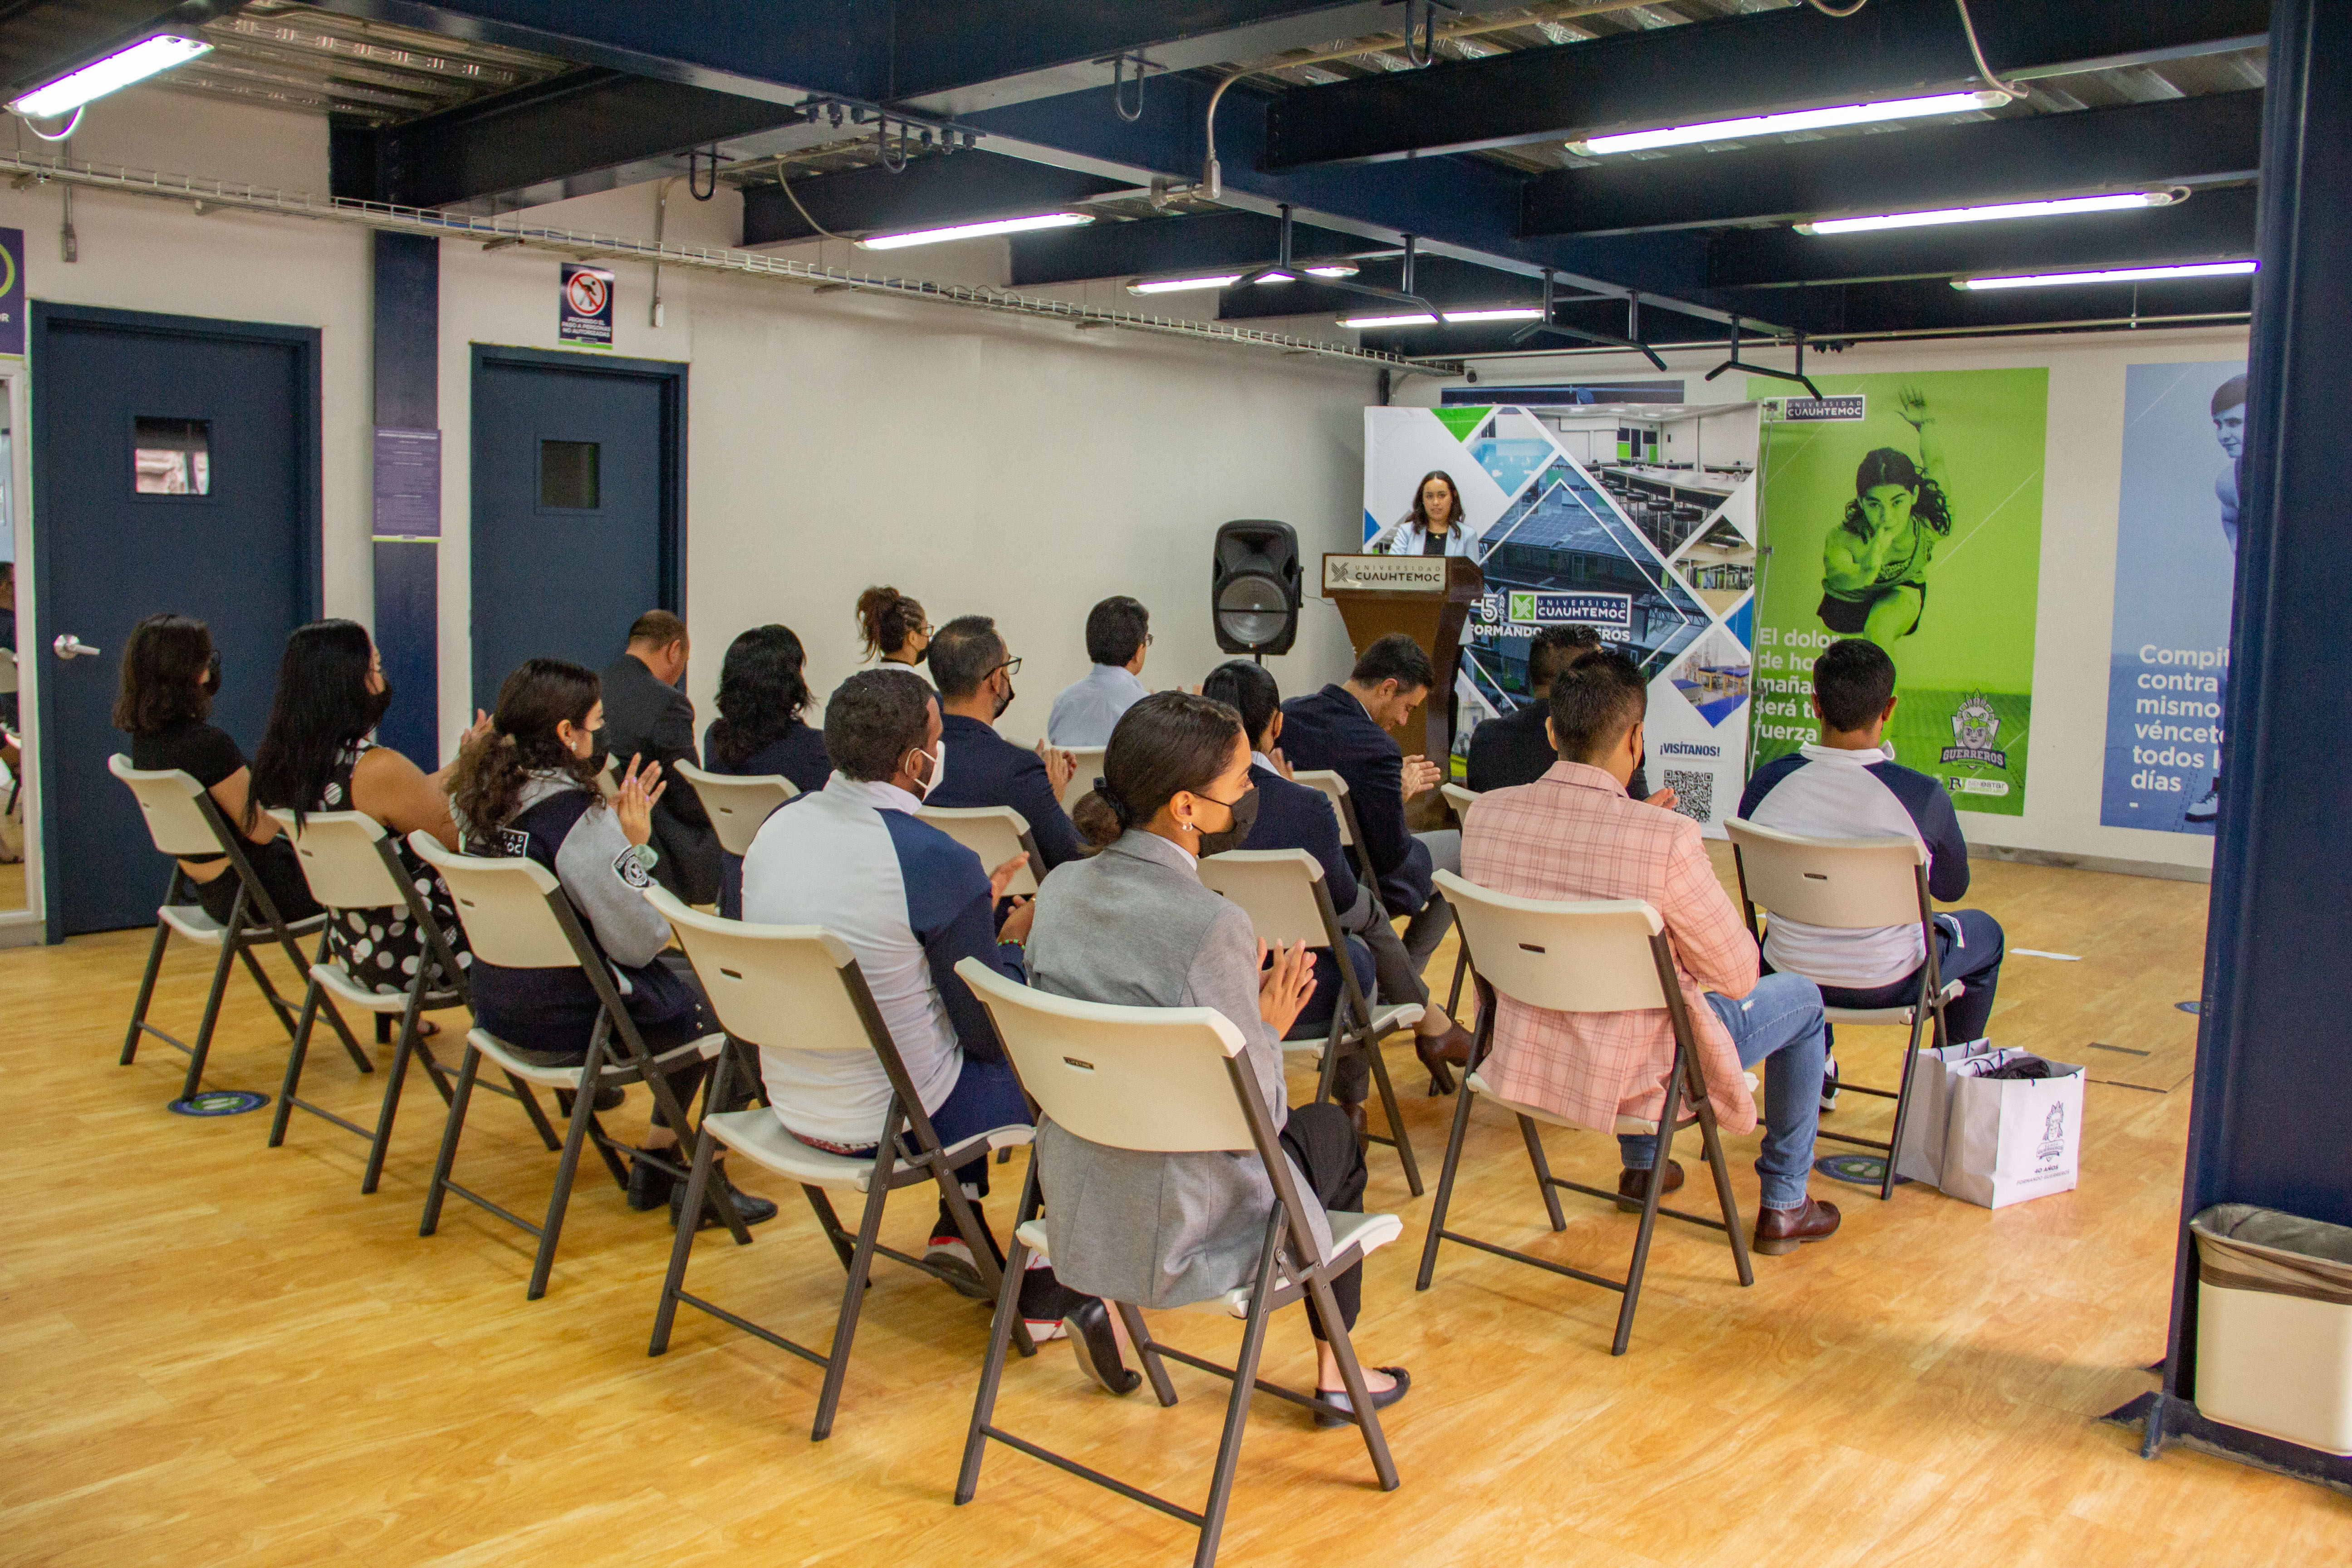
[[586, 314]]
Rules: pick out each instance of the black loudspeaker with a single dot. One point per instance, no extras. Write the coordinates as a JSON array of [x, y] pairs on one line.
[[1254, 587]]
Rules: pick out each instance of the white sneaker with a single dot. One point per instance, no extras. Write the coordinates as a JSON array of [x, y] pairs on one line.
[[2207, 809], [1828, 1084]]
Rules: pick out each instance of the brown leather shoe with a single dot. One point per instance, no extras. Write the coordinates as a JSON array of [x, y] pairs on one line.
[[1437, 1051], [1780, 1230], [1633, 1185], [1358, 1120]]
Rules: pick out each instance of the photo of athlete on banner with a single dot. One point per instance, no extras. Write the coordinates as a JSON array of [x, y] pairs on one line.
[[1875, 563]]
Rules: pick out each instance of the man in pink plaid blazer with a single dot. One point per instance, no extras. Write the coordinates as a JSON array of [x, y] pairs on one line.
[[1575, 834]]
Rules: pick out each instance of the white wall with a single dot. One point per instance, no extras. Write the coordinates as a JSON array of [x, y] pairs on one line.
[[2081, 489]]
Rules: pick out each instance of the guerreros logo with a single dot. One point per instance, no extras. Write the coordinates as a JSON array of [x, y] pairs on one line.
[[1975, 725]]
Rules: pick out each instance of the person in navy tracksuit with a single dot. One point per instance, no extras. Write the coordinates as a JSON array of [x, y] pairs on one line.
[[762, 691], [1848, 785], [974, 672]]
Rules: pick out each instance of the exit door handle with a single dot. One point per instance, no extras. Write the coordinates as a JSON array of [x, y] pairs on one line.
[[69, 645]]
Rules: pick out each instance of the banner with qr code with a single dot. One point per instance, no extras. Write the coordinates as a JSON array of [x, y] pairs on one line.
[[1638, 522], [1906, 509]]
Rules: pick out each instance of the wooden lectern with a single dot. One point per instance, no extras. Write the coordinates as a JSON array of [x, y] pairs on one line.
[[1428, 598]]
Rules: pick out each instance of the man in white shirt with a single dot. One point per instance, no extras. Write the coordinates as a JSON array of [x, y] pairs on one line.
[[1848, 785], [911, 902], [1119, 631]]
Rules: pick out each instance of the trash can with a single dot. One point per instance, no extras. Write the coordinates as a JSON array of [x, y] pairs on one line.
[[2274, 1324]]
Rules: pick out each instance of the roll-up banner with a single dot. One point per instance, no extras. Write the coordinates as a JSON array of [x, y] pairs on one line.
[[1907, 509], [2176, 568], [1637, 521]]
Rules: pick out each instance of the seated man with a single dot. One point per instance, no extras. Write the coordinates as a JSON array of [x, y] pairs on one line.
[[1345, 728], [1515, 748], [1573, 834], [1118, 630], [1847, 786], [647, 717], [975, 672], [1295, 816], [911, 902]]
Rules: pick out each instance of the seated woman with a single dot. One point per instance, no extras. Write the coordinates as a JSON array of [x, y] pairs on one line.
[[894, 628], [527, 785], [762, 691], [320, 754], [170, 674], [1133, 926]]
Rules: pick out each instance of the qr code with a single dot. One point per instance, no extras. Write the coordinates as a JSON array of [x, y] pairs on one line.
[[1693, 794]]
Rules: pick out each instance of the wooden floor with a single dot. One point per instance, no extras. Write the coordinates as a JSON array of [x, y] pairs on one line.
[[216, 1353]]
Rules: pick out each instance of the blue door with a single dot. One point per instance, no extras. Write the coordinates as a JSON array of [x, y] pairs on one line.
[[578, 466], [176, 466]]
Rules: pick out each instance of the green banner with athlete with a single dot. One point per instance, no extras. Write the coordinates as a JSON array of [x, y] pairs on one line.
[[1907, 509]]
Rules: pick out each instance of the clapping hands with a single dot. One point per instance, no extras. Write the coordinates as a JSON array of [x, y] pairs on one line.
[[633, 801]]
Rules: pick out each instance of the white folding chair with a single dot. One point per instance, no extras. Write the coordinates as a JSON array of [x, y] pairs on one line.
[[1335, 790], [799, 987], [1851, 884], [1460, 797], [737, 804], [1588, 957], [1282, 891], [184, 824], [995, 833], [515, 915], [350, 864], [1171, 1080], [1081, 783]]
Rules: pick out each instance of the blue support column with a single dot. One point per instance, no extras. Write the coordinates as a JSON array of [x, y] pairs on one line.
[[2273, 1119], [407, 524]]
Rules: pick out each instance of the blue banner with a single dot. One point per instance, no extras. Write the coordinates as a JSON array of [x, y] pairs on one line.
[[12, 292], [2175, 560]]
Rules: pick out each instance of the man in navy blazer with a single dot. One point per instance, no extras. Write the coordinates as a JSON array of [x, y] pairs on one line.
[[1514, 748], [974, 672]]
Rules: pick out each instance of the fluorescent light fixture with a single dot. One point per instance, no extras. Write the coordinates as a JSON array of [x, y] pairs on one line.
[[116, 70], [1227, 280], [1513, 313], [1795, 119], [2128, 201], [1411, 319], [2112, 275], [974, 230]]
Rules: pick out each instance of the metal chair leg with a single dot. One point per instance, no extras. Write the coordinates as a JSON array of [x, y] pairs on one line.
[[1140, 1334], [582, 1113], [1652, 1193], [1445, 1186], [438, 1188], [204, 1045], [682, 1246], [1380, 1066], [296, 1054], [853, 1297], [531, 1108], [380, 1145], [1229, 1447], [146, 991], [1711, 1136], [991, 1372], [1351, 1377]]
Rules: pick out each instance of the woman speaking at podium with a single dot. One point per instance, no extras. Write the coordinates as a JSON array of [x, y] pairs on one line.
[[1434, 525]]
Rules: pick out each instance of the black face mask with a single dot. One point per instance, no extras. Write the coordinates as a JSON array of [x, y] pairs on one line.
[[379, 703], [1245, 812], [1006, 700], [599, 752], [211, 682]]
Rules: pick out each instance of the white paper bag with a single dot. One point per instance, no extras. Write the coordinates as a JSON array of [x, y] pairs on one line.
[[1929, 1116], [2013, 1139]]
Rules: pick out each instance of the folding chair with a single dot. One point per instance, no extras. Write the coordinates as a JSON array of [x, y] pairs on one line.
[[995, 833], [1459, 797], [1282, 891], [1596, 956], [1081, 783], [350, 864], [798, 986], [515, 915], [1335, 790], [737, 804], [183, 821], [1171, 1080], [1850, 884]]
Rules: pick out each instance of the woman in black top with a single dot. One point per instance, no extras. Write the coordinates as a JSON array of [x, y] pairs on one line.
[[762, 691], [894, 626], [320, 754], [170, 673]]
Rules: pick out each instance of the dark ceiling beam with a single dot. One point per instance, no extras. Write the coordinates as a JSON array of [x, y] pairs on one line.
[[2182, 141], [929, 193], [568, 125], [1170, 247], [45, 39], [1791, 58], [2214, 226], [1929, 306]]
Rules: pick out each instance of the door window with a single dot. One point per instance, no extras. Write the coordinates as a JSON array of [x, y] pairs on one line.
[[568, 476], [171, 457]]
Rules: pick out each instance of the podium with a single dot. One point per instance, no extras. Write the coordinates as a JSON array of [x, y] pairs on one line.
[[1428, 598]]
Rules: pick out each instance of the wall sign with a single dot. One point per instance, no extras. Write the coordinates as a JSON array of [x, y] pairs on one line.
[[585, 311], [12, 292], [407, 484], [1385, 574]]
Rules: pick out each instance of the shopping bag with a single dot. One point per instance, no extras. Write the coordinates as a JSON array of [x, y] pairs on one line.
[[2013, 1139], [1929, 1113]]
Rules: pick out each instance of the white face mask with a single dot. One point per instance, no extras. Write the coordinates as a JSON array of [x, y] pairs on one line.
[[938, 757]]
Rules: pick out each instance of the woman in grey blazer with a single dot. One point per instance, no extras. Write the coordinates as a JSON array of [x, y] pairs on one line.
[[1133, 926]]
